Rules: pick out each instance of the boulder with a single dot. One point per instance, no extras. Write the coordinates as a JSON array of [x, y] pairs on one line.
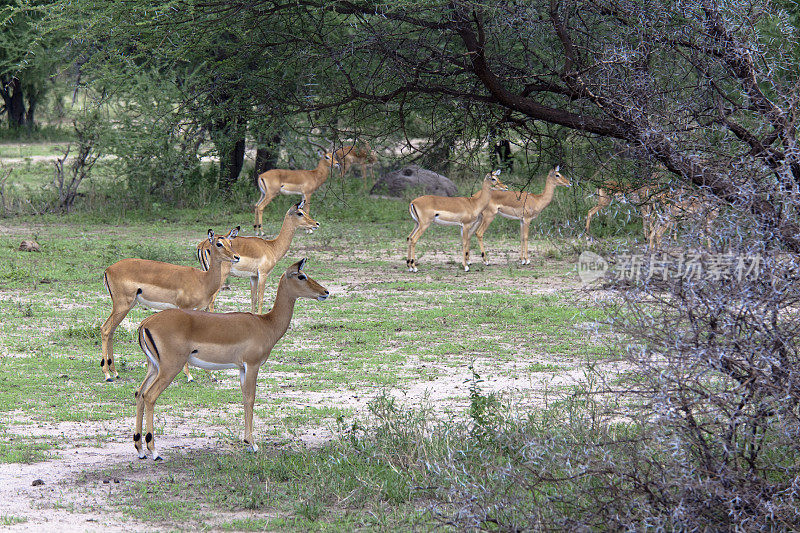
[[413, 178], [29, 246]]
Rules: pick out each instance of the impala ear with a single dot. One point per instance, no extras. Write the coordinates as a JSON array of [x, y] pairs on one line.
[[496, 173], [210, 235], [300, 204], [557, 167], [301, 264], [234, 232]]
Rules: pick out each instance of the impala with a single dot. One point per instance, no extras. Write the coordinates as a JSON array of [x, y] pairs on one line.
[[457, 211], [347, 156], [215, 341], [678, 205], [257, 256], [283, 181], [520, 206], [160, 285], [643, 196]]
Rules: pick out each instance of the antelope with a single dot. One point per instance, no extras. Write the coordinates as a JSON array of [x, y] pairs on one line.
[[643, 196], [160, 285], [215, 341], [674, 206], [458, 211], [347, 156], [520, 206], [279, 180], [257, 256]]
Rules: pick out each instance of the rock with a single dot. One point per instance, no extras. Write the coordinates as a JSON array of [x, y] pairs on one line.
[[29, 246], [37, 482], [416, 179]]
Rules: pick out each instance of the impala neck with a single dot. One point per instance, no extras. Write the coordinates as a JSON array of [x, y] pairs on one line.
[[218, 270], [281, 313], [283, 240], [484, 196], [549, 190], [322, 169]]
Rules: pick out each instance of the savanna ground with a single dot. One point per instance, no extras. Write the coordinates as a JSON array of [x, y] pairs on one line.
[[388, 346]]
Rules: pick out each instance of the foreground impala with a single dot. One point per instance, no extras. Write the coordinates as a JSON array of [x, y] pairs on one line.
[[457, 211], [215, 341], [520, 206], [160, 285], [279, 180], [257, 256]]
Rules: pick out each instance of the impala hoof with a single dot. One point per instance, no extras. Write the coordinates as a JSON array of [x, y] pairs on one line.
[[109, 380], [466, 268], [142, 455], [486, 263], [189, 380], [157, 458]]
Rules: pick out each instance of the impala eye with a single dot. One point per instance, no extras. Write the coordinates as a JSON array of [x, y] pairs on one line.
[[219, 245], [299, 213], [302, 277]]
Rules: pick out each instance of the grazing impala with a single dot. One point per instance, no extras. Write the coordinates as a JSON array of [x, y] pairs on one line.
[[678, 205], [458, 211], [347, 156], [520, 206], [642, 196], [257, 256], [283, 181], [215, 341], [161, 286]]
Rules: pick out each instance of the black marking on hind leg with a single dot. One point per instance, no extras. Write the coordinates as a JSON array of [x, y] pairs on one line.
[[138, 291], [102, 362], [482, 254], [137, 437], [148, 438], [152, 343], [105, 279], [108, 362], [193, 352]]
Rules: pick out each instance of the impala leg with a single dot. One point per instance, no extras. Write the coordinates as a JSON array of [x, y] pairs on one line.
[[189, 378], [592, 212], [118, 313], [411, 258], [262, 283], [137, 430], [248, 381], [465, 238], [525, 226], [253, 293], [486, 220], [149, 396]]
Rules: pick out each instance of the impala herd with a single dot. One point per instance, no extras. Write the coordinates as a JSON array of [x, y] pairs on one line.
[[188, 332]]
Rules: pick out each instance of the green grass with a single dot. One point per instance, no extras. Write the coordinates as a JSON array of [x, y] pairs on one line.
[[383, 328]]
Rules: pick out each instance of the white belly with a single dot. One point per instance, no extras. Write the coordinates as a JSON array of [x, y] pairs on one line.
[[159, 306], [205, 365], [446, 222], [241, 273], [508, 215]]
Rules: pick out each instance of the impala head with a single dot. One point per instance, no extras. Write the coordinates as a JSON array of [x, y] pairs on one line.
[[301, 285], [494, 180], [558, 177], [298, 215], [330, 160], [221, 244]]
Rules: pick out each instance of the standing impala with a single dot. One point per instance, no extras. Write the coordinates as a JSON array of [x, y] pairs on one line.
[[215, 341], [347, 156], [160, 285], [279, 180], [520, 206], [257, 256], [458, 211]]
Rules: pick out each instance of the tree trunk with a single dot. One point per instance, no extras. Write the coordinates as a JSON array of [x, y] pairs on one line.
[[266, 156], [230, 164], [14, 103]]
